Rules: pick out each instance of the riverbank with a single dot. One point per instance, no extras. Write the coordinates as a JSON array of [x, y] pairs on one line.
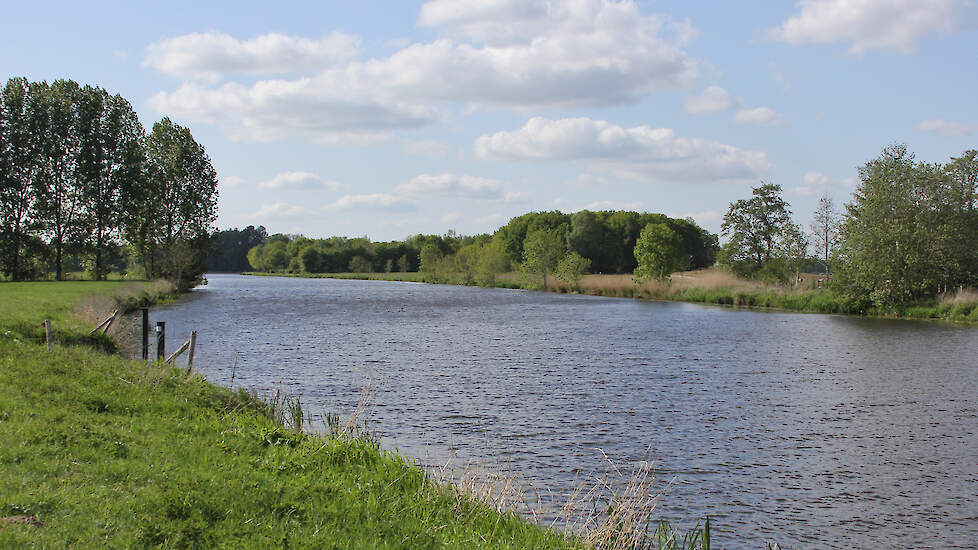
[[99, 451], [708, 286]]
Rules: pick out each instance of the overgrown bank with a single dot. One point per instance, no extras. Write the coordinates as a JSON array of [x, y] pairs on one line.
[[710, 287], [97, 451]]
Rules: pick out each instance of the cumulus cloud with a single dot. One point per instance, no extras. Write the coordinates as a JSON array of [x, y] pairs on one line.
[[947, 127], [713, 100], [310, 107], [511, 54], [373, 201], [298, 181], [210, 55], [760, 116], [279, 210], [871, 24], [453, 186], [642, 153], [816, 183]]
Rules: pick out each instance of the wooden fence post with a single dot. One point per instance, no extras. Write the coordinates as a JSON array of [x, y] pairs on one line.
[[145, 334], [193, 345], [160, 340], [47, 334]]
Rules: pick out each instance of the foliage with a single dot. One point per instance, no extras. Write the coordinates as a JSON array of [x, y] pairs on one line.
[[764, 241], [910, 231], [81, 181], [571, 268], [231, 248], [542, 250], [659, 252]]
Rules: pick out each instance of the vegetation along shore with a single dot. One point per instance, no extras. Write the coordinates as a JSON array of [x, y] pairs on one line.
[[904, 248]]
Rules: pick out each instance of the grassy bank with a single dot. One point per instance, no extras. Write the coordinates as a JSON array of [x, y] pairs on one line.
[[710, 286], [101, 452], [97, 451]]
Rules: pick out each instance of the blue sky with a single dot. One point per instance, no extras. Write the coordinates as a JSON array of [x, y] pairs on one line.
[[387, 119]]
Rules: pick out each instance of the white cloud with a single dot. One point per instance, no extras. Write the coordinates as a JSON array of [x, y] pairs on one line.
[[871, 24], [713, 100], [279, 210], [513, 55], [298, 181], [373, 201], [453, 186], [642, 153], [816, 183], [947, 127], [760, 116], [312, 107], [429, 149], [210, 55]]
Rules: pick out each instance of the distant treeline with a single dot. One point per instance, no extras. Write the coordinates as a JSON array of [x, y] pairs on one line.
[[83, 185], [605, 239]]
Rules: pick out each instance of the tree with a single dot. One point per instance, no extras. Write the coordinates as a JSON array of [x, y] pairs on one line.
[[659, 252], [110, 158], [175, 203], [492, 261], [542, 250], [360, 264], [431, 260], [467, 261], [825, 228], [19, 174], [760, 230], [59, 197], [571, 268], [909, 231]]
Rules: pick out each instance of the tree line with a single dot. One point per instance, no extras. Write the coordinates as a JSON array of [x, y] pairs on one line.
[[908, 234], [599, 242], [83, 186]]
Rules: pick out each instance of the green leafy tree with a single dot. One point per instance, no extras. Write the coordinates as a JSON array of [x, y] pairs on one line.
[[659, 252], [492, 262], [542, 250], [908, 230], [571, 268], [760, 230], [431, 263], [110, 159], [59, 197], [467, 261], [360, 264], [310, 259], [19, 172]]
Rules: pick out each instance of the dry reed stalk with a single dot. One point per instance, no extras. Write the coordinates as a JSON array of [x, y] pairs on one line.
[[961, 296]]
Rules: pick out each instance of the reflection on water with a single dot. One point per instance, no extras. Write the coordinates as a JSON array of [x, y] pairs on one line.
[[817, 431]]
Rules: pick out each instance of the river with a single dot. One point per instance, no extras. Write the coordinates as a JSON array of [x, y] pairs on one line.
[[815, 431]]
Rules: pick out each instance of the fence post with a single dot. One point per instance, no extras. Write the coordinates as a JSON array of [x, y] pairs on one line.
[[193, 344], [47, 333], [145, 334], [160, 340]]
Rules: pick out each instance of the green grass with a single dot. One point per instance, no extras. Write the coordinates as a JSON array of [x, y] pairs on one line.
[[105, 452]]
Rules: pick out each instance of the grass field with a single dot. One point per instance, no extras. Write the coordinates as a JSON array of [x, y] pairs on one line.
[[101, 452]]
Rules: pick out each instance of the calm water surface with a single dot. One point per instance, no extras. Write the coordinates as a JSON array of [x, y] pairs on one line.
[[816, 431]]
